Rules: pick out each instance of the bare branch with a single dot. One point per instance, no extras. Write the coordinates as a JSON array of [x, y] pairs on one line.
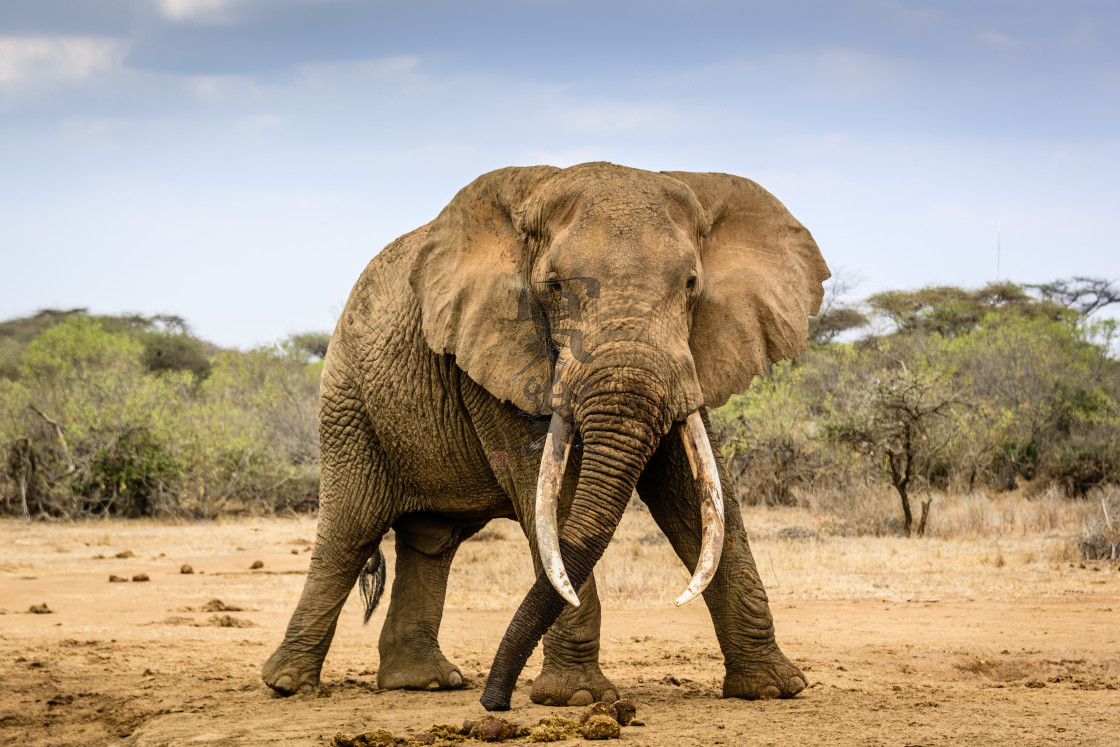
[[61, 439]]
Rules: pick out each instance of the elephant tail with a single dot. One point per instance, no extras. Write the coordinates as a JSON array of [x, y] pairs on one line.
[[371, 583]]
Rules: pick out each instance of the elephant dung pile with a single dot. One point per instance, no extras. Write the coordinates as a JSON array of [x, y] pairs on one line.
[[598, 721]]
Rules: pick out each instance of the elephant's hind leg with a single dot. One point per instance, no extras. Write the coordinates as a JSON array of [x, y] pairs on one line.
[[409, 645], [353, 516]]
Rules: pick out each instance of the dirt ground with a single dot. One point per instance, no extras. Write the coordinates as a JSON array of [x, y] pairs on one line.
[[905, 642]]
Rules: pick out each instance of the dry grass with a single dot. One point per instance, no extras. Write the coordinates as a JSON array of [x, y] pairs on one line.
[[977, 515], [978, 546], [1100, 537]]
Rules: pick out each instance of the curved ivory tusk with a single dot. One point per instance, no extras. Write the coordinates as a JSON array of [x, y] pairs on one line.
[[557, 444], [703, 462]]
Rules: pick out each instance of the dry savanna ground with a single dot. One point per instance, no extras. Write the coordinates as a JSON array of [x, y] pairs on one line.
[[990, 631]]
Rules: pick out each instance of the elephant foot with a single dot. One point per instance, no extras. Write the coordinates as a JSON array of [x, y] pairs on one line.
[[769, 676], [432, 672], [289, 673], [572, 686]]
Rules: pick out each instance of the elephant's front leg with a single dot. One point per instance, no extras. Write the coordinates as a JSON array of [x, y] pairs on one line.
[[409, 645], [571, 674], [755, 666]]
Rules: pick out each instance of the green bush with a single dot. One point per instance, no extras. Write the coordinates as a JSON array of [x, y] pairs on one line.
[[90, 427]]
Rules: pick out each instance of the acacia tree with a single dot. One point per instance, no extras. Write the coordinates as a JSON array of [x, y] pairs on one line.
[[838, 314], [1084, 295], [901, 423]]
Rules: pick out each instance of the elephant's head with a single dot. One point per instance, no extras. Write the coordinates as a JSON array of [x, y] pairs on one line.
[[619, 301]]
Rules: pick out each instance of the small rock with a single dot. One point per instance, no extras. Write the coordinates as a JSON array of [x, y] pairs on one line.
[[295, 551], [257, 565], [185, 569], [125, 554], [40, 609], [1036, 683], [115, 579], [141, 577], [601, 727], [228, 621]]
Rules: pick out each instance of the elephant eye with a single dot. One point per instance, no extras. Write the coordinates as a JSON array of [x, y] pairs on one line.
[[691, 283]]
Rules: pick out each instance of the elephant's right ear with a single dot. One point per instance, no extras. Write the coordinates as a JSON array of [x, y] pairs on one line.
[[763, 275], [471, 279]]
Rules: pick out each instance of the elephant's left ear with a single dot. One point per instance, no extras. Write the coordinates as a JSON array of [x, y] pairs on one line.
[[470, 277], [762, 281]]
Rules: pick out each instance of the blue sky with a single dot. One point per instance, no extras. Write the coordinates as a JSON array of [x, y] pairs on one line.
[[238, 162]]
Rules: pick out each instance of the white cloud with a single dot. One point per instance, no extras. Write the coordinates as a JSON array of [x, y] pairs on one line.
[[217, 88], [402, 68], [38, 61], [204, 11], [998, 41]]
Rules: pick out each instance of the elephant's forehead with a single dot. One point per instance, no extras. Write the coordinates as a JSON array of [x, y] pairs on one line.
[[625, 253], [617, 193]]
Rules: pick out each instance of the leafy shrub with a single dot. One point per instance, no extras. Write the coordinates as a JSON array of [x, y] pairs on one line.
[[91, 428], [1084, 461]]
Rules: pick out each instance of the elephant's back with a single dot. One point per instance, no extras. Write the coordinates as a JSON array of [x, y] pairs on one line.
[[380, 301]]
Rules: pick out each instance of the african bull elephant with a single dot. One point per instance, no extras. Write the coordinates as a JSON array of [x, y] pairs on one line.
[[606, 305]]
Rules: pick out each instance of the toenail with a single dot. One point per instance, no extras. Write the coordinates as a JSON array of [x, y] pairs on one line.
[[769, 693], [284, 683], [581, 698], [305, 689], [609, 696], [455, 679], [795, 685], [433, 685]]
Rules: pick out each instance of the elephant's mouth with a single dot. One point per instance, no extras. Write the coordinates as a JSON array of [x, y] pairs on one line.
[[551, 477]]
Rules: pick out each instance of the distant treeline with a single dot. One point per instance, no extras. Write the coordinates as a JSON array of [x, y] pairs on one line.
[[135, 416], [936, 389]]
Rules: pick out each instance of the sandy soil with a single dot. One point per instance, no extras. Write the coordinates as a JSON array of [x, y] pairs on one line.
[[905, 642]]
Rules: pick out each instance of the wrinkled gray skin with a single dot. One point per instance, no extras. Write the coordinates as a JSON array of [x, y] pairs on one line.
[[442, 350]]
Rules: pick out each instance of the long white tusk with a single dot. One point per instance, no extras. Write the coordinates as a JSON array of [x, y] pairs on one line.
[[557, 444], [703, 462]]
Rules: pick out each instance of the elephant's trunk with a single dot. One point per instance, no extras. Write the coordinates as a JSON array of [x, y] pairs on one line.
[[550, 480], [620, 432]]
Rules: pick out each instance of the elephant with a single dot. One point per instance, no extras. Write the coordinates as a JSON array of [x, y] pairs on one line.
[[548, 345]]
